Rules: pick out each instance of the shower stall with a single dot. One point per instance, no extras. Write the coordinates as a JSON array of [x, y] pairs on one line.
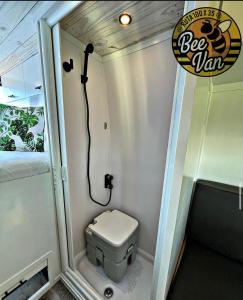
[[129, 93], [116, 123]]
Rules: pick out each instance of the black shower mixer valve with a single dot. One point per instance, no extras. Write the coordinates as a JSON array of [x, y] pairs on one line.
[[108, 181]]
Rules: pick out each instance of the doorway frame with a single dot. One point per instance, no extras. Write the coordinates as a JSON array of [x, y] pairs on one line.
[[178, 136]]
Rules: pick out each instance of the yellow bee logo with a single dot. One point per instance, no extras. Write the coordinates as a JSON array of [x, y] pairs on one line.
[[215, 34], [206, 41]]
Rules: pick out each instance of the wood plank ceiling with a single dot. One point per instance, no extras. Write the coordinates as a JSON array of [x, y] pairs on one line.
[[97, 22]]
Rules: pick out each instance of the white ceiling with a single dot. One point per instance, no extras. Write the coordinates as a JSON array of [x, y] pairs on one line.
[[11, 13], [97, 22], [18, 30]]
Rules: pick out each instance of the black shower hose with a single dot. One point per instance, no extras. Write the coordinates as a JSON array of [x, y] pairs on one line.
[[88, 154]]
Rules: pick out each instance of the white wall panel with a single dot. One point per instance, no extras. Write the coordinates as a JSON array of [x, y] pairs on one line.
[[222, 158], [82, 208], [140, 95]]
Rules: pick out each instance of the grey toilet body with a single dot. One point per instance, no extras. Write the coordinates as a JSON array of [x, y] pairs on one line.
[[101, 250]]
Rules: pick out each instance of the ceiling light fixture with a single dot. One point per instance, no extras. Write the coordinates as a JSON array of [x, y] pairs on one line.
[[125, 19]]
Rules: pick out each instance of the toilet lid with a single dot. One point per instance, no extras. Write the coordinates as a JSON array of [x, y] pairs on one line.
[[115, 227]]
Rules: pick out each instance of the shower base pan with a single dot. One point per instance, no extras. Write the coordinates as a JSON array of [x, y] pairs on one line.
[[136, 284]]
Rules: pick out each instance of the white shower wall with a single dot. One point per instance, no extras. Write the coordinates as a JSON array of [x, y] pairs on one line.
[[140, 94], [134, 95], [82, 208]]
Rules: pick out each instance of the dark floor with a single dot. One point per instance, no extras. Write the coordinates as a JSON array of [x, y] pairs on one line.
[[58, 292]]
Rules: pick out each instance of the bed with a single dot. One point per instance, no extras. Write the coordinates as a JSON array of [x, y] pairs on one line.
[[16, 164], [28, 232], [27, 214]]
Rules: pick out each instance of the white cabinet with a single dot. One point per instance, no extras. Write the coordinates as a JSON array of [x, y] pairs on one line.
[[13, 84], [22, 82], [32, 76]]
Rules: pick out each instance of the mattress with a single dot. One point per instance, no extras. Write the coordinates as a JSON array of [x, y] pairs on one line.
[[14, 164]]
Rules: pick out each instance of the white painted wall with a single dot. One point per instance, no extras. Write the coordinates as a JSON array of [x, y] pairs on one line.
[[140, 93], [222, 157]]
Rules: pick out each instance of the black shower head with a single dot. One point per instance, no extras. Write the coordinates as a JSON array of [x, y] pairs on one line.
[[89, 48]]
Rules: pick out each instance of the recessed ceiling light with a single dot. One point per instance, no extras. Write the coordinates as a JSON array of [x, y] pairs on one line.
[[125, 19]]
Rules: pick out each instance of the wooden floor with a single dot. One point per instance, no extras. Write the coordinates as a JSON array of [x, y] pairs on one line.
[[58, 292]]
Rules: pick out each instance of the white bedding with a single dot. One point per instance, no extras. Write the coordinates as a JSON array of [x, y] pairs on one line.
[[14, 164]]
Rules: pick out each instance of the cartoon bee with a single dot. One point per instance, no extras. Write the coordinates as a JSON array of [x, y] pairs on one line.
[[214, 34]]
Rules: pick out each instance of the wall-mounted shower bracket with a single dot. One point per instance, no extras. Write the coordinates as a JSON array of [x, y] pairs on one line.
[[68, 66]]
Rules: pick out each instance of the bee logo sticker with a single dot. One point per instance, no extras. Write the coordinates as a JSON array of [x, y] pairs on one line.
[[206, 42]]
